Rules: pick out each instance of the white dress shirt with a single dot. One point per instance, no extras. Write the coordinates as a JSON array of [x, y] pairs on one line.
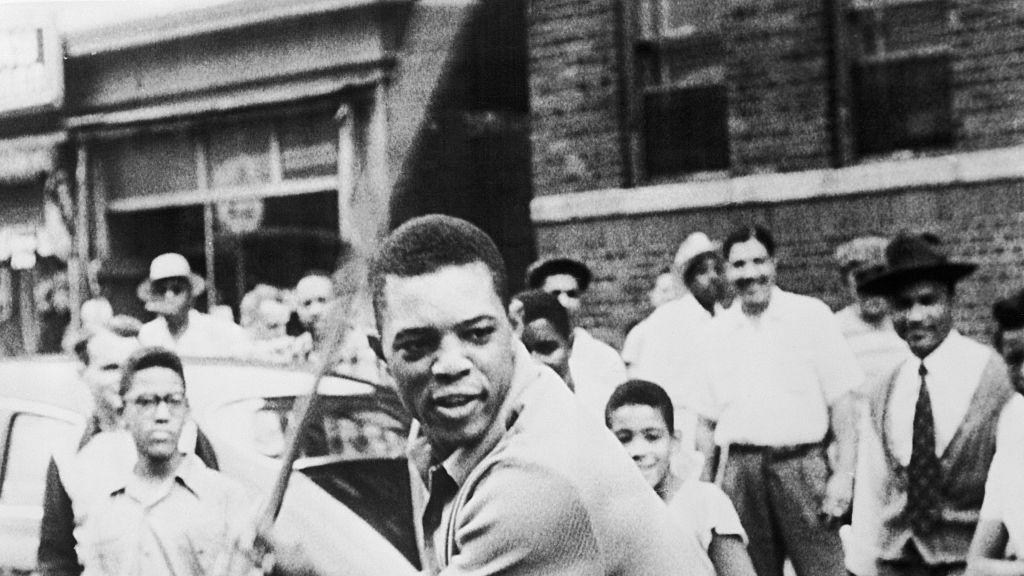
[[1003, 500], [954, 372], [770, 380], [596, 370]]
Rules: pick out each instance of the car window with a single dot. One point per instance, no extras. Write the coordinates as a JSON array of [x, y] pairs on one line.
[[354, 427], [31, 441]]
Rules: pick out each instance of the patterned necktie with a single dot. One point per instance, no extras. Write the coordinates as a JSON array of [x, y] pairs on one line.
[[924, 473]]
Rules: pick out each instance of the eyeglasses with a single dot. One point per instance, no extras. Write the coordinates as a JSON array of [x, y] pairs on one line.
[[149, 402], [570, 293]]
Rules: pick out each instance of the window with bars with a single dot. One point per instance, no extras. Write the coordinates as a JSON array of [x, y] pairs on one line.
[[900, 75], [682, 105]]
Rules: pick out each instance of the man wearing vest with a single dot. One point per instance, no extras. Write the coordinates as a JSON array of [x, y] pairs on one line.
[[932, 426]]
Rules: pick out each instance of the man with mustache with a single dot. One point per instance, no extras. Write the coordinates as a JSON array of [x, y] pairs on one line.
[[774, 383], [933, 426], [511, 475]]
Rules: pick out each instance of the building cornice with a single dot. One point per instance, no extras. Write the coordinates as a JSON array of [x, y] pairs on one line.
[[868, 178], [229, 16]]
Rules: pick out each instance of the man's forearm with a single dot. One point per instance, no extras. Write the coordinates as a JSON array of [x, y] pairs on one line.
[[705, 443], [844, 415]]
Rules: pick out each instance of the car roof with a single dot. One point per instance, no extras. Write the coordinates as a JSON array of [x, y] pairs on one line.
[[50, 380], [54, 380]]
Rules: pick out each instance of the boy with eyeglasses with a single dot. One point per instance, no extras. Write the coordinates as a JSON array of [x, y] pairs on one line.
[[157, 511]]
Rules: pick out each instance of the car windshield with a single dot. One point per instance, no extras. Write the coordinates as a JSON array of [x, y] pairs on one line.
[[350, 427]]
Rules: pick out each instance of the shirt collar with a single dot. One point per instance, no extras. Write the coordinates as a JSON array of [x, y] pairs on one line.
[[187, 475], [463, 460], [774, 312], [945, 354]]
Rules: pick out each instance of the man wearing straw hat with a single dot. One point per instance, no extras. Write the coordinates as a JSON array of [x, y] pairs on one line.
[[932, 427], [169, 292], [664, 354]]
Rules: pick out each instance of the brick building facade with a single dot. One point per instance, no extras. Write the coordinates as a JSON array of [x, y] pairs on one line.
[[822, 119]]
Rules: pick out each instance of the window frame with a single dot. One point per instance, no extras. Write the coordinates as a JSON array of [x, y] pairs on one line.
[[640, 38], [847, 150]]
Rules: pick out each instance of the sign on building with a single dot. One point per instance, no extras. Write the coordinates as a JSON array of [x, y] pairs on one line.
[[31, 67]]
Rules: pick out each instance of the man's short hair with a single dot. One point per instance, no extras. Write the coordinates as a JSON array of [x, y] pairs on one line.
[[540, 305], [749, 232], [120, 325], [149, 357], [429, 243], [643, 393]]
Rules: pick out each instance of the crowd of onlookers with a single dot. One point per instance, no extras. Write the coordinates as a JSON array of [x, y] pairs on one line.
[[275, 325], [778, 435], [862, 441]]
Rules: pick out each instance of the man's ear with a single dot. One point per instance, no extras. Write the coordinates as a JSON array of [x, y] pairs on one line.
[[515, 316], [375, 345]]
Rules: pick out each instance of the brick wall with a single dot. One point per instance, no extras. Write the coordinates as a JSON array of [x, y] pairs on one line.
[[989, 73], [778, 76], [777, 72], [574, 95], [982, 223]]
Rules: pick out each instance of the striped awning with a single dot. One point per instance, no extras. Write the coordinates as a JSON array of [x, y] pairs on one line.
[[26, 158]]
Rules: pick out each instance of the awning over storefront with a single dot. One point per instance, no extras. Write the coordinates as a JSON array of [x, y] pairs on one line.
[[26, 158]]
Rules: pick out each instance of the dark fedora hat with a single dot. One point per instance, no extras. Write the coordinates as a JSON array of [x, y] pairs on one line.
[[541, 269], [1009, 311], [910, 258]]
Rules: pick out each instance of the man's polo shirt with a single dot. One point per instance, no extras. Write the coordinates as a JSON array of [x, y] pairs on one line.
[[187, 525], [549, 490], [770, 380]]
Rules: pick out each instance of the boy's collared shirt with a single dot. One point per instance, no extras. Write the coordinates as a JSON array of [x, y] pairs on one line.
[[187, 525]]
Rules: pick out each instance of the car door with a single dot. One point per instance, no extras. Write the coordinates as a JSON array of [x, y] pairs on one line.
[[29, 433]]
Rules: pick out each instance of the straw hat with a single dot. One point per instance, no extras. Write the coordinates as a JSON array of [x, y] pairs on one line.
[[170, 265]]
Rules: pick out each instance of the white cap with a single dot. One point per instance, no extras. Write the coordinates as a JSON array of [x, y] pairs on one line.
[[695, 244]]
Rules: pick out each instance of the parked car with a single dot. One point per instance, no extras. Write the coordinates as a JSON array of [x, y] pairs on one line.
[[352, 450]]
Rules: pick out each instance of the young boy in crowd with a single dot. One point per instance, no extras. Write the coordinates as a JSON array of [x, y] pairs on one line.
[[640, 414]]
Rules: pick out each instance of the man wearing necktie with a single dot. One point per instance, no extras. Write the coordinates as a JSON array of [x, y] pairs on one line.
[[932, 428]]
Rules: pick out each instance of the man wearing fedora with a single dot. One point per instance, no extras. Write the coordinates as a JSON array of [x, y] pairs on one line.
[[169, 292], [664, 352], [932, 426], [593, 363]]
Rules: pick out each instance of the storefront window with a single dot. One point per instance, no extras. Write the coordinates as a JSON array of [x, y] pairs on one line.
[[272, 178]]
